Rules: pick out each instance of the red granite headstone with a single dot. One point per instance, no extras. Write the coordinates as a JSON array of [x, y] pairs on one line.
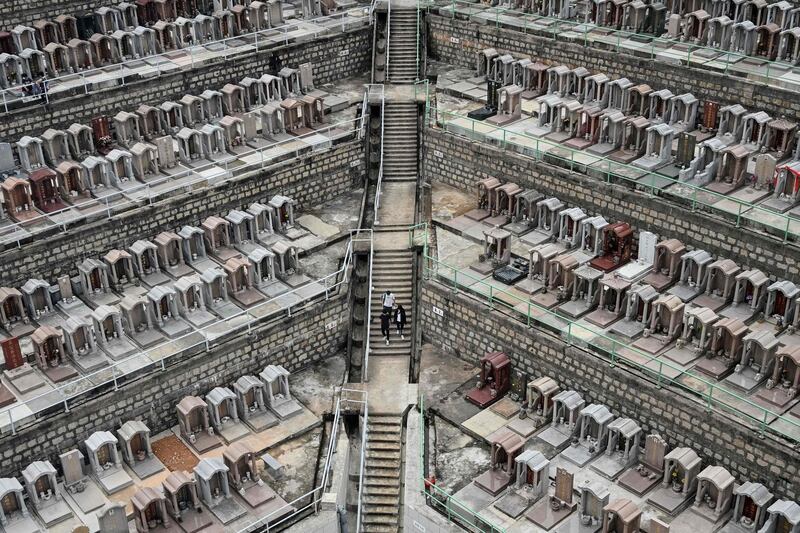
[[12, 353]]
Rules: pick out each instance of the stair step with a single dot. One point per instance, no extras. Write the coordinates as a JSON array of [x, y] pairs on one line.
[[382, 491], [383, 504], [380, 482], [383, 463], [382, 432], [384, 473], [379, 445], [384, 455], [385, 419], [369, 519], [377, 528], [390, 510]]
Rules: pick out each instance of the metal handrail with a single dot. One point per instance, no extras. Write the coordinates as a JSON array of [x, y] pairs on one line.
[[267, 36], [560, 29], [362, 463], [368, 321], [379, 183], [578, 334], [365, 366], [447, 504], [320, 489], [745, 213], [388, 36], [417, 32], [145, 190], [151, 356]]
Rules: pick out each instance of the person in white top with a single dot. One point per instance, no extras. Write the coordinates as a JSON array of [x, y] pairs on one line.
[[388, 301]]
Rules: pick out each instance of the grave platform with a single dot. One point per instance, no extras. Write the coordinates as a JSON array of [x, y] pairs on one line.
[[192, 521], [261, 421], [227, 510], [575, 525], [53, 512], [579, 454], [24, 378], [115, 481], [21, 524], [669, 501], [62, 372], [716, 367], [514, 503], [88, 499], [493, 481], [555, 436], [232, 432], [543, 515], [204, 442], [149, 467], [286, 409], [635, 482]]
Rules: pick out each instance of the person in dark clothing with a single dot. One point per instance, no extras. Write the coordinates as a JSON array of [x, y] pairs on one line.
[[385, 326], [400, 320]]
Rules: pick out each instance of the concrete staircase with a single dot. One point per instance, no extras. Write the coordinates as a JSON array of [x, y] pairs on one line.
[[391, 270], [400, 141], [381, 508], [403, 45]]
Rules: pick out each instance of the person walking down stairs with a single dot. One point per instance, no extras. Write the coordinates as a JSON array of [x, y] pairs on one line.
[[400, 320], [388, 300], [385, 326]]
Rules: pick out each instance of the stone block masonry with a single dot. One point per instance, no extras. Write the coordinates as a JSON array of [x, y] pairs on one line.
[[13, 12], [312, 179], [334, 57], [456, 161], [468, 329], [294, 342], [457, 41]]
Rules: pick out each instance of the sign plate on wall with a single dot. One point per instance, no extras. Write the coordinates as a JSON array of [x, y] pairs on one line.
[[437, 311], [344, 53], [455, 40], [438, 153]]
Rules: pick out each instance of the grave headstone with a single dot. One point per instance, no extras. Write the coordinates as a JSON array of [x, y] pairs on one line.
[[307, 77], [564, 481], [112, 519], [72, 466], [710, 111], [12, 353], [65, 288], [166, 151], [647, 247], [250, 125], [6, 158], [654, 450], [674, 25], [765, 169], [686, 146], [519, 380]]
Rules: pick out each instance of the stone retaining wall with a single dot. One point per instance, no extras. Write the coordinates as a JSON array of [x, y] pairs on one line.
[[468, 330]]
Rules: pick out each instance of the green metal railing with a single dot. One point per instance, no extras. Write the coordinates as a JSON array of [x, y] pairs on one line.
[[740, 212], [662, 372], [577, 32], [454, 509]]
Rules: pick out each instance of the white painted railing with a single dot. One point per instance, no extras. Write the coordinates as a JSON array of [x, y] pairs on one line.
[[60, 220], [233, 46], [154, 359], [348, 399]]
